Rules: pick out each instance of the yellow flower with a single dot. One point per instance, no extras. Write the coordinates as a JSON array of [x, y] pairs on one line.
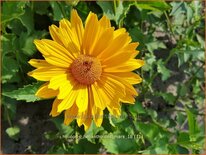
[[87, 68]]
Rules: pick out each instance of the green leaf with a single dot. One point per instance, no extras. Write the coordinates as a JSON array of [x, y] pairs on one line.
[[160, 147], [137, 109], [149, 130], [13, 132], [108, 9], [184, 140], [116, 120], [168, 97], [155, 45], [16, 27], [115, 10], [26, 93], [26, 41], [85, 147], [60, 10], [150, 59], [177, 8], [182, 90], [201, 41], [159, 6], [119, 143], [193, 125], [165, 73], [9, 68]]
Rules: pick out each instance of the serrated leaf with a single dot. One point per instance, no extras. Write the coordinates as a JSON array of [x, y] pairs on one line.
[[154, 45], [13, 132], [26, 93]]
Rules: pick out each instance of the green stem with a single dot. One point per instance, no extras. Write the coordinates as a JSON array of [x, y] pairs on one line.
[[7, 116], [115, 6], [169, 24]]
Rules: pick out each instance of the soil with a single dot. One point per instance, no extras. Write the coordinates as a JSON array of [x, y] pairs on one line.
[[33, 120]]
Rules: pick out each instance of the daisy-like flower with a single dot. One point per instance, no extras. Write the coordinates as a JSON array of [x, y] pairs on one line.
[[87, 68]]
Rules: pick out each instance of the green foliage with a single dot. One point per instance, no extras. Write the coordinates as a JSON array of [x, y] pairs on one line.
[[13, 132], [26, 93], [167, 117]]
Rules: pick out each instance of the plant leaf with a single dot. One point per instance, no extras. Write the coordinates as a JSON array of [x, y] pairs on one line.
[[26, 93]]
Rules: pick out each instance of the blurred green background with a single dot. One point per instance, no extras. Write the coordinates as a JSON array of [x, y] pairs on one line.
[[168, 117]]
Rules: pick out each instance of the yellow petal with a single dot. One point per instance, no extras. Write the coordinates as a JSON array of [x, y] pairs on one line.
[[87, 124], [82, 98], [46, 73], [117, 59], [54, 32], [65, 89], [114, 111], [103, 41], [130, 77], [84, 118], [104, 22], [38, 63], [114, 85], [125, 67], [54, 111], [68, 101], [77, 26], [129, 97], [68, 37], [98, 116], [91, 33], [119, 32], [115, 45], [54, 53], [70, 114], [57, 81], [98, 100], [45, 92]]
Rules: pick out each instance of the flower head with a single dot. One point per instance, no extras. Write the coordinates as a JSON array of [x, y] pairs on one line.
[[87, 68]]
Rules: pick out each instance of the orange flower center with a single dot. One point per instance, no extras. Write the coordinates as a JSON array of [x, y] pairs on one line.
[[86, 70]]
